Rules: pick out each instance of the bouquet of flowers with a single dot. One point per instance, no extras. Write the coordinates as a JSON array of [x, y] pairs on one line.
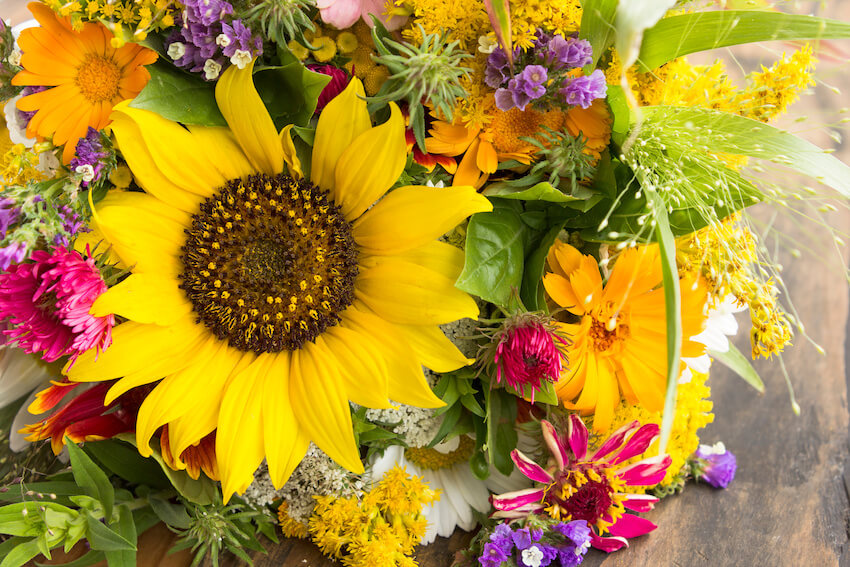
[[366, 272]]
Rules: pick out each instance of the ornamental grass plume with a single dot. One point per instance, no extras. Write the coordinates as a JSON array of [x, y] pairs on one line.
[[578, 486], [47, 303]]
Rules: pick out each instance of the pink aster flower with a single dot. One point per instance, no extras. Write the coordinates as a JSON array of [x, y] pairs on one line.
[[578, 486], [339, 80], [528, 353], [47, 303], [343, 14]]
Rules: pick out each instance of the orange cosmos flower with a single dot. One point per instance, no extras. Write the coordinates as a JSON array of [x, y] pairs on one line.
[[619, 344], [87, 74]]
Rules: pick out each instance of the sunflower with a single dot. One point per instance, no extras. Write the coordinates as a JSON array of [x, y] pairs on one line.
[[485, 147], [619, 344], [87, 74], [268, 301]]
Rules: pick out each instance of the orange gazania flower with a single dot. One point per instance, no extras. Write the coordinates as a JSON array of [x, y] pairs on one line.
[[619, 344], [87, 74], [485, 147]]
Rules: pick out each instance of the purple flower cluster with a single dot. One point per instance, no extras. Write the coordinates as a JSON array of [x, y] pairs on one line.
[[207, 39], [26, 115], [72, 223], [90, 157], [718, 465], [564, 544], [9, 215], [14, 253], [547, 69]]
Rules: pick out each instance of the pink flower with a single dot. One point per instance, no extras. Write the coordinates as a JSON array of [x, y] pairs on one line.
[[590, 488], [343, 14], [339, 80], [47, 302], [527, 354]]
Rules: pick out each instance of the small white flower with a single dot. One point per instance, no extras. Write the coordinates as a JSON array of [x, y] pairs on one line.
[[532, 556], [212, 69], [176, 50], [487, 44], [241, 58], [719, 326], [717, 449], [430, 183], [14, 58], [222, 40], [87, 171]]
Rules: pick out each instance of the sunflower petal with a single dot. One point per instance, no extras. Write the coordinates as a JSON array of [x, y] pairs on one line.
[[433, 348], [284, 442], [412, 216], [249, 120], [364, 372], [145, 298]]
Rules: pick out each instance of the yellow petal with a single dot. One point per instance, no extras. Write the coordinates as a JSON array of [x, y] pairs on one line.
[[134, 346], [406, 381], [320, 405], [370, 165], [563, 259], [249, 120], [290, 156], [166, 402], [433, 348], [561, 291], [285, 444], [222, 150], [609, 397], [439, 257], [145, 298], [412, 216], [343, 119], [239, 441], [405, 293], [363, 370], [178, 154]]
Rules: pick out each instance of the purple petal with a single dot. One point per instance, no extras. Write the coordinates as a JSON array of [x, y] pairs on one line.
[[647, 472], [530, 469], [607, 544], [640, 502], [555, 446], [615, 441], [630, 525], [577, 437], [637, 443], [513, 500], [504, 99]]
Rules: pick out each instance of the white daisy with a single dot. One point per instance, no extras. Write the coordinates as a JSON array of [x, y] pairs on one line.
[[719, 326], [21, 374]]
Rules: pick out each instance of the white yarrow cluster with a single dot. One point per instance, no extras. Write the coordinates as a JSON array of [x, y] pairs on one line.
[[418, 426]]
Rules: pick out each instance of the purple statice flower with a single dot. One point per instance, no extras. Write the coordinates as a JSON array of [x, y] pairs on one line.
[[89, 157], [537, 555], [498, 549], [9, 215], [569, 53], [576, 541], [238, 44], [582, 91], [528, 85], [720, 465], [498, 70], [72, 223], [14, 253], [524, 537]]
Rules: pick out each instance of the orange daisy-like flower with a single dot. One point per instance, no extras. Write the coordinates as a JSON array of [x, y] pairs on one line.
[[485, 147], [87, 75], [619, 345]]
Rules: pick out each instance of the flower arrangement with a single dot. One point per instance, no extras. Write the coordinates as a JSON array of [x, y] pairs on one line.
[[367, 272]]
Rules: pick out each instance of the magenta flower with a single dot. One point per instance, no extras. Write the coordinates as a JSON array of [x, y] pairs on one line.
[[47, 303], [339, 80], [528, 354], [581, 487]]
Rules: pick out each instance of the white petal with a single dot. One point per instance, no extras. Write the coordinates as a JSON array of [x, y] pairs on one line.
[[20, 373]]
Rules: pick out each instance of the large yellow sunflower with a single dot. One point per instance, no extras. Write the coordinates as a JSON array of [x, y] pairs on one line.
[[619, 344], [265, 302]]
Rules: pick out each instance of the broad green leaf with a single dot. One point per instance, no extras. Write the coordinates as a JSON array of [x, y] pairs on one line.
[[729, 133], [495, 244], [633, 17], [673, 310], [539, 192], [21, 553], [91, 479], [125, 461], [545, 395], [597, 27], [86, 560], [735, 361], [10, 544], [102, 538], [126, 528], [179, 96], [501, 435], [700, 31], [289, 91], [620, 112], [173, 515], [532, 277]]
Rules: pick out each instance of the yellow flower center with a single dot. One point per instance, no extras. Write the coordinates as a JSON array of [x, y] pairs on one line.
[[98, 78], [508, 127], [433, 459], [606, 332], [269, 263]]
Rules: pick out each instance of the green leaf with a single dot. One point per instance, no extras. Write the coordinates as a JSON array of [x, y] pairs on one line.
[[733, 134], [9, 544], [540, 192], [633, 17], [450, 419], [700, 31], [91, 479], [21, 553], [125, 461], [501, 435], [126, 528], [620, 112], [173, 515], [673, 310], [532, 278], [86, 560], [495, 244], [179, 96], [103, 538], [290, 91], [597, 27], [735, 361]]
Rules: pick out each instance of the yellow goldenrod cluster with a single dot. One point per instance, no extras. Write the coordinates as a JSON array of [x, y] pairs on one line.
[[19, 166], [693, 412], [288, 525], [380, 528], [557, 17], [464, 21], [130, 20], [771, 91], [725, 256]]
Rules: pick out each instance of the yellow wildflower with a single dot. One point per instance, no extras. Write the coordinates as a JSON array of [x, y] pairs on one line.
[[771, 91]]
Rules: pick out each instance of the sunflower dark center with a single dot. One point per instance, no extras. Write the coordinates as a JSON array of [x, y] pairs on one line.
[[269, 263]]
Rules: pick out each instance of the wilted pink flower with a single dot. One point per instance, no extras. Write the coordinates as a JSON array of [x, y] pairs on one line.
[[591, 488], [47, 303], [343, 14], [528, 353], [339, 80]]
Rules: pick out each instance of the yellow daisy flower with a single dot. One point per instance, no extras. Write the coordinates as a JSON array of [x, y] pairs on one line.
[[265, 302]]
